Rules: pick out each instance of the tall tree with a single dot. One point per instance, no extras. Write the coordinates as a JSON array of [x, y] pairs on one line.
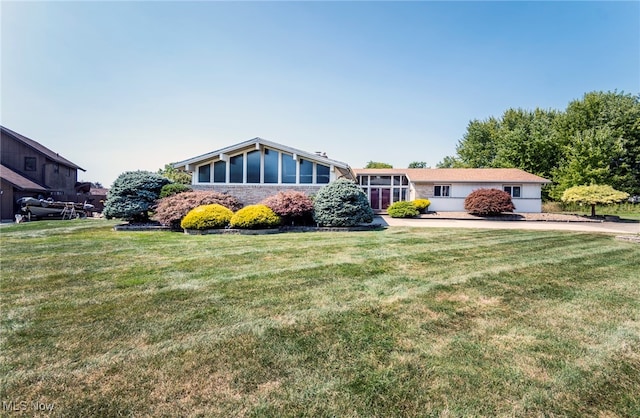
[[176, 176], [418, 164], [616, 115], [376, 164]]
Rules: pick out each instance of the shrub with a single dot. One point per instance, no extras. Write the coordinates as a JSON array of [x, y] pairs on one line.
[[255, 217], [421, 204], [403, 209], [170, 210], [341, 203], [488, 202], [132, 195], [207, 216], [293, 207], [173, 188]]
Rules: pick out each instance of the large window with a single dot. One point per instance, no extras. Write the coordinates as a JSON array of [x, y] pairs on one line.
[[204, 173], [288, 169], [322, 174], [220, 172], [236, 169], [306, 171], [253, 167], [271, 165], [514, 191], [442, 190]]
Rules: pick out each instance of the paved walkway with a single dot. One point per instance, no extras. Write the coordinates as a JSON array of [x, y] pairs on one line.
[[607, 227]]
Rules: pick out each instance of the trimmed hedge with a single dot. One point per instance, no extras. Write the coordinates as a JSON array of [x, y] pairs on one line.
[[422, 204], [403, 209], [488, 202], [207, 217], [295, 208], [255, 217], [341, 203], [170, 210]]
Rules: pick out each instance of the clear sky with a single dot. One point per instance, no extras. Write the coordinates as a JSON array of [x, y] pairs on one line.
[[118, 86]]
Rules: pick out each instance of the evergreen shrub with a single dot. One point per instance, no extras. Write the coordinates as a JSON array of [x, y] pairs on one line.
[[173, 188], [132, 195], [255, 217], [488, 202], [170, 210], [422, 204], [207, 217], [293, 207], [341, 203], [403, 209]]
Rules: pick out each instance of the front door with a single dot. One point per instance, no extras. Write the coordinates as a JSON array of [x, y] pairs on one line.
[[380, 198]]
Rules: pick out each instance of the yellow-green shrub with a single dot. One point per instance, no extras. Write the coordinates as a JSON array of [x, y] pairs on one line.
[[255, 217], [421, 204], [207, 217]]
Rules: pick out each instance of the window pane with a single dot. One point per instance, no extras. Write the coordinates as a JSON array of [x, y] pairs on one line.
[[270, 166], [220, 172], [507, 189], [396, 180], [396, 194], [516, 191], [204, 173], [364, 180], [306, 172], [236, 169], [381, 180], [29, 163], [288, 169], [253, 167], [322, 174]]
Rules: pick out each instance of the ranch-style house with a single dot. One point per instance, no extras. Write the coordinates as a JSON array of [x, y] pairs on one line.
[[255, 169]]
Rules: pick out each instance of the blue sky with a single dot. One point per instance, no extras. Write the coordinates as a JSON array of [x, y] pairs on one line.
[[118, 86]]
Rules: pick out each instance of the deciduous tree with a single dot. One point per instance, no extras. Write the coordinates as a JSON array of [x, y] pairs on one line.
[[593, 195]]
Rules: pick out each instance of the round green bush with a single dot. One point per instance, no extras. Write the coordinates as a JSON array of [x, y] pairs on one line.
[[402, 209], [255, 217], [173, 188], [421, 204], [207, 217], [341, 203]]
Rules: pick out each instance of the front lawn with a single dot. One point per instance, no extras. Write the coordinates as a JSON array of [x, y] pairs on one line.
[[400, 322]]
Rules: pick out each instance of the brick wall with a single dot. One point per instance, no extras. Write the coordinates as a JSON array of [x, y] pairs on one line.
[[252, 194]]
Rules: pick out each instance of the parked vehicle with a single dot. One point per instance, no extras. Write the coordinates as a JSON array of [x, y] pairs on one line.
[[48, 208]]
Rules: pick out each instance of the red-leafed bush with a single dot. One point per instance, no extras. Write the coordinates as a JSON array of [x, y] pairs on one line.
[[488, 202], [170, 210], [294, 208]]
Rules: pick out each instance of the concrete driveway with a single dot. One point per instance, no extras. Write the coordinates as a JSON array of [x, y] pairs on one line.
[[606, 227]]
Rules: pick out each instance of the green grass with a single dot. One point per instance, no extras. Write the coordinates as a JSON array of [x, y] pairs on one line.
[[400, 322]]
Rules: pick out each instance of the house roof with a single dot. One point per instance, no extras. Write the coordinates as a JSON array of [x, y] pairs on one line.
[[20, 181], [40, 148], [342, 167], [458, 175]]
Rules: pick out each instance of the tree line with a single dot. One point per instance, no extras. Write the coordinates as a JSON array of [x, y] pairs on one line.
[[595, 140]]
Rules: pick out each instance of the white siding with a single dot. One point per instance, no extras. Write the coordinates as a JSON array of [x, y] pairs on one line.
[[529, 202]]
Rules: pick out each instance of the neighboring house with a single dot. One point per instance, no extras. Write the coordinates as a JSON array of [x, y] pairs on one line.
[[447, 188], [255, 169], [29, 169]]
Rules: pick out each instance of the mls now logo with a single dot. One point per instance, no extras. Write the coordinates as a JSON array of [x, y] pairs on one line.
[[14, 405]]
